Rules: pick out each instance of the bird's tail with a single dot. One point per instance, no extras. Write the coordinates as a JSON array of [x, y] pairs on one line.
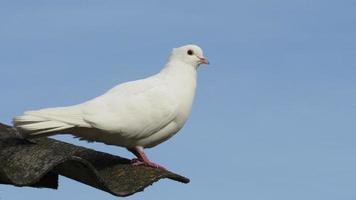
[[48, 121]]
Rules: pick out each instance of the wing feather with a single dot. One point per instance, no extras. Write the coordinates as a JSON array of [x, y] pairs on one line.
[[135, 111]]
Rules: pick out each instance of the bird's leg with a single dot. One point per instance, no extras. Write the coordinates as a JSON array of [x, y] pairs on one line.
[[142, 159]]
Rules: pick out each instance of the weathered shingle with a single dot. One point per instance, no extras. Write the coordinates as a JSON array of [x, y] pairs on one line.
[[38, 162]]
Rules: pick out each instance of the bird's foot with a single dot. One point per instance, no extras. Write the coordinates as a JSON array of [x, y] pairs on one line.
[[142, 158], [137, 162]]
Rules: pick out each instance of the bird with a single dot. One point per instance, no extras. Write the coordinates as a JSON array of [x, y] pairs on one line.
[[135, 115]]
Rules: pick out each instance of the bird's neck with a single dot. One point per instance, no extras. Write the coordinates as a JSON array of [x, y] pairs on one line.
[[181, 76], [179, 69]]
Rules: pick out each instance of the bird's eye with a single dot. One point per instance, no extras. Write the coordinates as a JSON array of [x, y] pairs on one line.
[[190, 52]]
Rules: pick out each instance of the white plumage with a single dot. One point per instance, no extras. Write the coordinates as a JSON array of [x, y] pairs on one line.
[[136, 115]]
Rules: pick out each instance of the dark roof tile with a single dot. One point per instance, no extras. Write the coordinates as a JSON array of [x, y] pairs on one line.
[[38, 162]]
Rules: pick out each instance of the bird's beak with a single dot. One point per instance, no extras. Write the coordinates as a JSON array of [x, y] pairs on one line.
[[203, 60]]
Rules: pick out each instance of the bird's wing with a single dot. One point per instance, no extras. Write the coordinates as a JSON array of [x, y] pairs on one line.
[[134, 110]]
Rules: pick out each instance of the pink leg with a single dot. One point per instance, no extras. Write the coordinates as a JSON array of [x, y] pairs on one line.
[[142, 158]]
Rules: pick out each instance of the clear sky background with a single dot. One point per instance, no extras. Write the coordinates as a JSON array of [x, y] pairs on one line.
[[275, 111]]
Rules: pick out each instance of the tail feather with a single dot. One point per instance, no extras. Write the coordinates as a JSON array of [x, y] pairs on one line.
[[48, 121], [32, 126]]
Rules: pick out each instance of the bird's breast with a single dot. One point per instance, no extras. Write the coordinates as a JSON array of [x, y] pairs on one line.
[[184, 92]]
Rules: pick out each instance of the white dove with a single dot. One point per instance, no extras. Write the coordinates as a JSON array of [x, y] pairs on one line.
[[135, 115]]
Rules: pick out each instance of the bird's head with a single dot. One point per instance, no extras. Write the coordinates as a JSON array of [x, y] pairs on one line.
[[189, 54]]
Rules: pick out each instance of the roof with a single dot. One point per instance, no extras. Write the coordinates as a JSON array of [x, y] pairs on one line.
[[39, 162]]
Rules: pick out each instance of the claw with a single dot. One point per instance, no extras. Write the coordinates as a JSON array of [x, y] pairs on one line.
[[142, 159]]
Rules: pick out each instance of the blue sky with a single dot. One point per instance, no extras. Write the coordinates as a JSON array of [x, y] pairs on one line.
[[274, 115]]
